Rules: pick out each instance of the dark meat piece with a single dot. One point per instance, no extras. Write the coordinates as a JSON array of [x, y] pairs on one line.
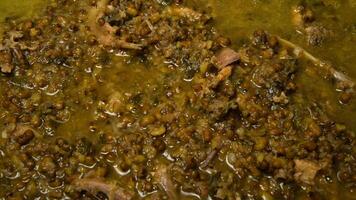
[[21, 133], [25, 137]]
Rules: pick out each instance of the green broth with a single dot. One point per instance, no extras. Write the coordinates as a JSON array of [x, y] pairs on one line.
[[20, 9]]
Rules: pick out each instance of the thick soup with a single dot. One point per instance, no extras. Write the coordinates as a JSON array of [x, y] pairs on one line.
[[177, 99]]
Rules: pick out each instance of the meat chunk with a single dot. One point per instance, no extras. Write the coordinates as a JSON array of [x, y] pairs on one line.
[[305, 171], [226, 57]]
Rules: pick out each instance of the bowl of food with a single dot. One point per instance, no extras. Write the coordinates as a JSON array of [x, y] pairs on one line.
[[177, 99]]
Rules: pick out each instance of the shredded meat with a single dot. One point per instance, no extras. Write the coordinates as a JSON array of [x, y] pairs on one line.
[[13, 36], [165, 181], [12, 42], [209, 158], [223, 74], [105, 34], [93, 186]]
